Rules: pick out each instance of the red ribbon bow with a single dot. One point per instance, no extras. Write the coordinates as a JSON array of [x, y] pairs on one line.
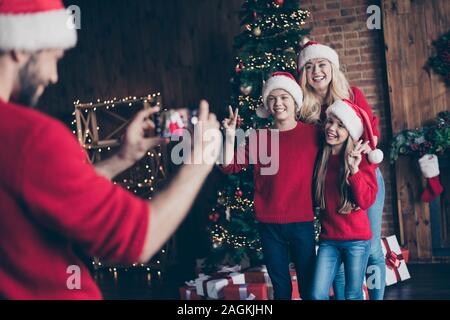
[[393, 260]]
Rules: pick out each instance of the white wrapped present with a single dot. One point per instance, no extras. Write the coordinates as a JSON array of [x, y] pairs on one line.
[[212, 286], [396, 269]]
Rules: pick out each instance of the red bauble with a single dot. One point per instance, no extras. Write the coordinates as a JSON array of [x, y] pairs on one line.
[[239, 122], [214, 217], [279, 2], [255, 15], [239, 67], [239, 193]]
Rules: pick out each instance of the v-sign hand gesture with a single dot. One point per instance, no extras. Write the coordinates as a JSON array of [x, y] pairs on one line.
[[354, 157], [230, 123]]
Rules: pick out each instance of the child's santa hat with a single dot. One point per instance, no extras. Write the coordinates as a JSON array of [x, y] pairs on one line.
[[35, 25], [314, 50], [280, 80], [358, 125]]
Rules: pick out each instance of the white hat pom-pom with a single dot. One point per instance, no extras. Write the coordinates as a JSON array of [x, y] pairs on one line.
[[376, 156]]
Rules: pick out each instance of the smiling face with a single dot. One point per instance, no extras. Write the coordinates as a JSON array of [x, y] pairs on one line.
[[319, 74], [335, 132], [282, 105]]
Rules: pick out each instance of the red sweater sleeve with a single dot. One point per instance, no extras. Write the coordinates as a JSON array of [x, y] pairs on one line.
[[364, 185], [360, 100], [242, 156], [65, 195]]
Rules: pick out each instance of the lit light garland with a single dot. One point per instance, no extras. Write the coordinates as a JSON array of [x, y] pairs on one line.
[[266, 62], [135, 186], [280, 22], [221, 236]]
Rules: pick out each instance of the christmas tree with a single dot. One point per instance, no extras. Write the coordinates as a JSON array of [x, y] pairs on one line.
[[269, 42]]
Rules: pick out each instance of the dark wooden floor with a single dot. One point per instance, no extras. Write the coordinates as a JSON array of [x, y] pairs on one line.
[[428, 282]]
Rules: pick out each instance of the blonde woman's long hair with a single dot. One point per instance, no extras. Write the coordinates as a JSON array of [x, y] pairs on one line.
[[339, 89], [347, 204]]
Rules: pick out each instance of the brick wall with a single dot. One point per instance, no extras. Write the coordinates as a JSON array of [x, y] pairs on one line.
[[342, 25]]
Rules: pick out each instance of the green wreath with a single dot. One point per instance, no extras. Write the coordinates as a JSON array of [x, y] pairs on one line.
[[441, 62], [432, 139]]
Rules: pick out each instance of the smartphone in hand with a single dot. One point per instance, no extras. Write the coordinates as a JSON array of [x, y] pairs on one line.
[[173, 122]]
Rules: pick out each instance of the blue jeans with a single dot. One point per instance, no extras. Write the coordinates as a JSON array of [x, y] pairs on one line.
[[353, 255], [376, 270], [280, 242]]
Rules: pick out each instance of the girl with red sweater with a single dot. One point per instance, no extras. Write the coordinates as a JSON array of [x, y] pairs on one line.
[[283, 197], [345, 187]]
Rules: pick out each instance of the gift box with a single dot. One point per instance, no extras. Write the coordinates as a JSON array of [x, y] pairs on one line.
[[365, 292], [405, 254], [249, 291], [295, 291], [257, 275], [189, 293], [396, 269], [212, 286], [260, 275]]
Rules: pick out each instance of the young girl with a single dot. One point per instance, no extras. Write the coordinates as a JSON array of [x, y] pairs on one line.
[[345, 187], [323, 84], [283, 200]]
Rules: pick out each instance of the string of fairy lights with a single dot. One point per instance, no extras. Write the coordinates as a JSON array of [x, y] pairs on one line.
[[137, 183], [277, 23], [220, 236], [85, 136], [266, 61]]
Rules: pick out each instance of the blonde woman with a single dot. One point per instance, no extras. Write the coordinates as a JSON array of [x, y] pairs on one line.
[[323, 83]]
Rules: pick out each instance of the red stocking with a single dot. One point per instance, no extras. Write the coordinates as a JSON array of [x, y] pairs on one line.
[[433, 189]]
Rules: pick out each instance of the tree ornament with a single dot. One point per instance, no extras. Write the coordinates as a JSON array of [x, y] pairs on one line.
[[257, 31], [239, 122], [304, 41], [214, 217], [255, 15], [246, 90], [279, 2], [239, 67], [239, 193], [228, 214], [248, 27], [290, 50], [221, 200]]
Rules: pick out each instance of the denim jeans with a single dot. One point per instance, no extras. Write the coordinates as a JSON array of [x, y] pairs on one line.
[[353, 255], [280, 244], [376, 270]]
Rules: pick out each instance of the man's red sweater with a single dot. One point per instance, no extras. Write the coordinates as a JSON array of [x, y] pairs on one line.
[[53, 206]]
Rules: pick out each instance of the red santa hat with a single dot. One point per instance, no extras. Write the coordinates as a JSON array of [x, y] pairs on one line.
[[358, 125], [280, 80], [315, 50], [35, 25]]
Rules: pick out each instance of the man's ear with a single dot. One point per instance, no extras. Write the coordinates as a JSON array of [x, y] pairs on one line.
[[20, 57]]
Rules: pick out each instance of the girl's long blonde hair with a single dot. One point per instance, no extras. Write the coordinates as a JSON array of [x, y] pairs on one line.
[[338, 89], [347, 202]]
